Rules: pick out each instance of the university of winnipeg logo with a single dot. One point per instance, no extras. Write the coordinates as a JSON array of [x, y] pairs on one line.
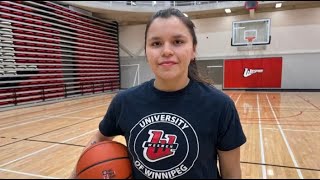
[[163, 145], [157, 147], [248, 72]]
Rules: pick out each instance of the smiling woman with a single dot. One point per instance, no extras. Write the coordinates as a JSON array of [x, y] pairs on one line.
[[176, 124], [169, 52], [180, 38]]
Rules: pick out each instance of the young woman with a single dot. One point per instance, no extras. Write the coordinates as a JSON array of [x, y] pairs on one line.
[[175, 125]]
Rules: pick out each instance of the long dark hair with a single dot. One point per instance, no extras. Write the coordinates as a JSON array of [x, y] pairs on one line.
[[166, 13]]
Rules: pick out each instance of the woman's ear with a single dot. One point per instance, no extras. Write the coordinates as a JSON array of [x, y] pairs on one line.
[[194, 52]]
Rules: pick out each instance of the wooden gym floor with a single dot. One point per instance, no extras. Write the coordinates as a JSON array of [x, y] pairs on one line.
[[282, 129]]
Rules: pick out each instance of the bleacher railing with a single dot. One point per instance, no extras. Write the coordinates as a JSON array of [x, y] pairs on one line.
[[161, 3], [33, 94]]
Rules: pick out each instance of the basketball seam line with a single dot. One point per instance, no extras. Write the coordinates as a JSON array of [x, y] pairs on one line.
[[100, 163]]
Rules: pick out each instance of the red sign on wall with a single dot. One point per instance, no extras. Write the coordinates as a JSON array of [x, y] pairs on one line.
[[253, 73]]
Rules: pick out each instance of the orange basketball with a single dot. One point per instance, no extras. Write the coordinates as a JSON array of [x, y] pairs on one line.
[[104, 160]]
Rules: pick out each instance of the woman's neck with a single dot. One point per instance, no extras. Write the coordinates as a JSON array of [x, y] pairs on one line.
[[171, 85]]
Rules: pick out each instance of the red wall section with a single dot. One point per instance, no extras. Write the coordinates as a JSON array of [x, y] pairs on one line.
[[253, 73]]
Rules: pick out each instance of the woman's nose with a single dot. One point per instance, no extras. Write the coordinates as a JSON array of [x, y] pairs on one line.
[[167, 50]]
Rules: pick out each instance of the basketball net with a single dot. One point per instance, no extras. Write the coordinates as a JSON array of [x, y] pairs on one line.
[[250, 40]]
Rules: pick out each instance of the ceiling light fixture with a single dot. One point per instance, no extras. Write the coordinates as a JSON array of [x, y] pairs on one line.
[[278, 5], [154, 3]]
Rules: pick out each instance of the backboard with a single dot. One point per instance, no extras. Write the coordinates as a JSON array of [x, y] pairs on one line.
[[244, 30]]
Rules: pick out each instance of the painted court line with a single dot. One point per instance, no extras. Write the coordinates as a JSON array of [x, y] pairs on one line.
[[28, 174], [237, 99], [71, 117], [295, 130], [36, 152], [298, 130], [285, 140], [59, 106], [53, 114], [263, 160], [50, 117], [308, 101]]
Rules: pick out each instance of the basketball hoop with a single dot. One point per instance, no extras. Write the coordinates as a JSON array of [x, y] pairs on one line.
[[250, 39]]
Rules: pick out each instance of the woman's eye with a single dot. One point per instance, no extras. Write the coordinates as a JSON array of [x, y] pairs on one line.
[[178, 42], [155, 44]]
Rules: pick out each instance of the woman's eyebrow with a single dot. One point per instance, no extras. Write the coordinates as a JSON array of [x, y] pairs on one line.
[[154, 38], [179, 36]]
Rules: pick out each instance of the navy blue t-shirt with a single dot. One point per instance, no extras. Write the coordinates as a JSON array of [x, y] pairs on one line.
[[174, 134]]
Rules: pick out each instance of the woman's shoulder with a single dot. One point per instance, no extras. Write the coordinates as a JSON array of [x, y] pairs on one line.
[[210, 92], [133, 91]]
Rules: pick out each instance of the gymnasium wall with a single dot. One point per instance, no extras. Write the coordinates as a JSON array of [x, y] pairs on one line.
[[134, 71], [294, 37], [301, 71]]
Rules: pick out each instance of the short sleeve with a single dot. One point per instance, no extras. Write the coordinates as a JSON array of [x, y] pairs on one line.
[[109, 125], [230, 133]]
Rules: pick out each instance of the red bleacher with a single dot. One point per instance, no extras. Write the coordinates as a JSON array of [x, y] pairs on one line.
[[50, 65]]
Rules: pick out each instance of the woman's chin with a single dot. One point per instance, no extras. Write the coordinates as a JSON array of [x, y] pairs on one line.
[[167, 76]]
